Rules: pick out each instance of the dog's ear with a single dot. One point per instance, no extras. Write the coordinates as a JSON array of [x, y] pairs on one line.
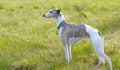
[[58, 11]]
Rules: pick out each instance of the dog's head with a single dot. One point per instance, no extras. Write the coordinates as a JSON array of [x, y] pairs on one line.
[[52, 13]]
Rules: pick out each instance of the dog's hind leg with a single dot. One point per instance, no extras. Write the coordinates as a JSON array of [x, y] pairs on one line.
[[101, 60], [106, 58], [98, 46]]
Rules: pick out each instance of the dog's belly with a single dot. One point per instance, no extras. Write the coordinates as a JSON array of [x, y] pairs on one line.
[[73, 40]]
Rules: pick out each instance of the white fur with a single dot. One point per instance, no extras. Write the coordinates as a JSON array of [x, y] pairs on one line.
[[95, 38], [98, 45], [59, 20]]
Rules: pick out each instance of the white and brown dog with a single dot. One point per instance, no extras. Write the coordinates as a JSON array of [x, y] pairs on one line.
[[71, 33]]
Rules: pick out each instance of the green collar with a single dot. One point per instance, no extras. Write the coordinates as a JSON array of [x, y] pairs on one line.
[[61, 24]]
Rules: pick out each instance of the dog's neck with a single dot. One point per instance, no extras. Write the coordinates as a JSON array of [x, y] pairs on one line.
[[59, 19]]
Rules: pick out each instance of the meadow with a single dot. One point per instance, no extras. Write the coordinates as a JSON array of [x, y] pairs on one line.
[[28, 41]]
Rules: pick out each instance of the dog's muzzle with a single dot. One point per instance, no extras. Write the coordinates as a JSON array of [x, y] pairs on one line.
[[43, 15]]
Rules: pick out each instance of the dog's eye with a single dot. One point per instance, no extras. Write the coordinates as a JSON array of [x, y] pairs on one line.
[[50, 11]]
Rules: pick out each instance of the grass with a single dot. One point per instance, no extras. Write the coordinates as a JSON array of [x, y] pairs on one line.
[[28, 41]]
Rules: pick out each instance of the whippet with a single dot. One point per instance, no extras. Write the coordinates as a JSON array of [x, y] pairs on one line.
[[72, 33]]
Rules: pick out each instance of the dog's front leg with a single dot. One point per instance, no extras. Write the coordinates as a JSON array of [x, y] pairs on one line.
[[67, 52], [66, 48]]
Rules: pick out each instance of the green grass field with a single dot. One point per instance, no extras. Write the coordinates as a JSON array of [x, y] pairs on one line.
[[28, 41]]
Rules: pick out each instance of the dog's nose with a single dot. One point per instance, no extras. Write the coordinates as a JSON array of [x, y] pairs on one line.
[[43, 15]]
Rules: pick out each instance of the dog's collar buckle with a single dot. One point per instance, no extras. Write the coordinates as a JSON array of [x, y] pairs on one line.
[[61, 24]]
